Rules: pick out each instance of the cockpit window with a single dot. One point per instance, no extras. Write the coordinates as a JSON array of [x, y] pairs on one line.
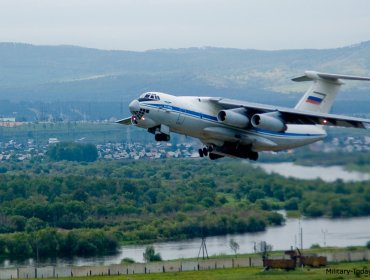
[[149, 97]]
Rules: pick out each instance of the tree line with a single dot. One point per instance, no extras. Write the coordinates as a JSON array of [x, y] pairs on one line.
[[52, 242]]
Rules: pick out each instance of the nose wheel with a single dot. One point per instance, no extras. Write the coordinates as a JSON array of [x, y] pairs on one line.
[[205, 151]]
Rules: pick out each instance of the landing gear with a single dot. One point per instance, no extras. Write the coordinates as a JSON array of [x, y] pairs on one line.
[[161, 132], [162, 137], [200, 151], [228, 149], [213, 156], [205, 151], [253, 156], [234, 150]]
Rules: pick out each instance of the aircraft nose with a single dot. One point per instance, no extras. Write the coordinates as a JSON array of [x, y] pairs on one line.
[[134, 106]]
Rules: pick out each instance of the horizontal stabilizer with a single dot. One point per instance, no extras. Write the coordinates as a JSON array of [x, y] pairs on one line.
[[313, 75]]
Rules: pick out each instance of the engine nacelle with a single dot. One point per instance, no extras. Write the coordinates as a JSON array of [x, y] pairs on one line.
[[269, 121], [234, 117]]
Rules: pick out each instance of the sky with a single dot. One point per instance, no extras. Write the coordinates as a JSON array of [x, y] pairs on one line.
[[140, 25]]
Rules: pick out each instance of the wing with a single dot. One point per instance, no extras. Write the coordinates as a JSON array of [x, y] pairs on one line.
[[293, 116], [126, 121]]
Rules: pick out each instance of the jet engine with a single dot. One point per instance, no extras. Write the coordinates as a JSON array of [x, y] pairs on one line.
[[269, 121], [234, 117]]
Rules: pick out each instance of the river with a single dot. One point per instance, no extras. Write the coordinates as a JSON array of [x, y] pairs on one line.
[[328, 174]]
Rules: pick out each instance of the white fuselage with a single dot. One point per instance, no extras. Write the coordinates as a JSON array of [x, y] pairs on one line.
[[197, 117]]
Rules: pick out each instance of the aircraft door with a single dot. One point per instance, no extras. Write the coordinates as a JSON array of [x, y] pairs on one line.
[[180, 119]]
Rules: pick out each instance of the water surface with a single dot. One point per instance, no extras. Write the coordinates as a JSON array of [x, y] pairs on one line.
[[328, 174]]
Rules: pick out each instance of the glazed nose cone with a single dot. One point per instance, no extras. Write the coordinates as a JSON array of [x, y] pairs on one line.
[[134, 106]]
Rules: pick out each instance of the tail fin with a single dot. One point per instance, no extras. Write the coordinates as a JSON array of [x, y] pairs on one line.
[[320, 96]]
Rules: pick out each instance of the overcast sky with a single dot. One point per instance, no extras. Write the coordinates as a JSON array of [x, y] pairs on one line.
[[151, 24]]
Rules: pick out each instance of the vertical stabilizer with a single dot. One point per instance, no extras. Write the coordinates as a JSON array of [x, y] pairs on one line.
[[321, 95]]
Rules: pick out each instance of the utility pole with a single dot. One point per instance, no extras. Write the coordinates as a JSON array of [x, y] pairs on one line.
[[324, 232], [203, 248], [301, 238]]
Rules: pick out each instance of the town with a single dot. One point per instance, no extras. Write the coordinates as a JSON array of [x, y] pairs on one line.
[[30, 148]]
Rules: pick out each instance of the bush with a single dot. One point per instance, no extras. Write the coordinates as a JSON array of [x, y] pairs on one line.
[[314, 210], [150, 255], [292, 204], [127, 261], [275, 218]]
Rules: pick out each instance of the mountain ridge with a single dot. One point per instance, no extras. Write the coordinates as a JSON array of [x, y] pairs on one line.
[[49, 73]]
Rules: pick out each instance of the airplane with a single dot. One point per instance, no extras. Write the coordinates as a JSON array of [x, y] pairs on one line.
[[235, 128]]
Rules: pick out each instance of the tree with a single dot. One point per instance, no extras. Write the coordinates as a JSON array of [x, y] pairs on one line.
[[234, 246], [18, 246], [34, 224], [255, 194], [150, 255], [2, 245], [73, 152]]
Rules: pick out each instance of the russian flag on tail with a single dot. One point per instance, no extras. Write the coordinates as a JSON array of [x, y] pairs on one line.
[[316, 99]]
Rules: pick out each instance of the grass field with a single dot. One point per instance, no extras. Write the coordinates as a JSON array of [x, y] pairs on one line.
[[361, 268]]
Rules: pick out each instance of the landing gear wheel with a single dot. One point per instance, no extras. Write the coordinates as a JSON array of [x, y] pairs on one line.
[[205, 152], [162, 137], [253, 156], [201, 153]]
